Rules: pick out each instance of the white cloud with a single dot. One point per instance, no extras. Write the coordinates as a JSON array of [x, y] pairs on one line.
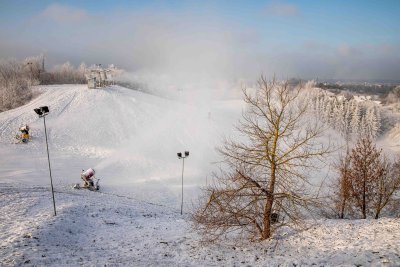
[[282, 10], [64, 14]]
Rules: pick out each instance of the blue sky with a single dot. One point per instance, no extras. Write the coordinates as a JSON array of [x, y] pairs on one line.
[[231, 39]]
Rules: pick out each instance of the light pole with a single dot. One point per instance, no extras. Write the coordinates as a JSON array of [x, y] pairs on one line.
[[183, 168], [42, 112], [30, 68]]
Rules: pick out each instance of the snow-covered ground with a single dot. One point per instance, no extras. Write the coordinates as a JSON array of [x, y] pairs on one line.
[[131, 140], [128, 137], [97, 229]]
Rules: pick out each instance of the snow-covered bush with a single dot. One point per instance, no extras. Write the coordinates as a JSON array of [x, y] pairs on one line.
[[15, 84], [65, 74], [394, 95], [33, 68]]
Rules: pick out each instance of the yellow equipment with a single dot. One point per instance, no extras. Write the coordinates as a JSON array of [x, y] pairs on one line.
[[24, 137]]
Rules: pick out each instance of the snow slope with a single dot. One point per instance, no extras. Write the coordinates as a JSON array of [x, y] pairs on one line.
[[131, 139]]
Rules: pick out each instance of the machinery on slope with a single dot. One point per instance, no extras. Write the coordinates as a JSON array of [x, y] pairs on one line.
[[89, 180], [23, 137]]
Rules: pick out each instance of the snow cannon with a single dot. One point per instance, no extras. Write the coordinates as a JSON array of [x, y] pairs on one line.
[[89, 173], [24, 128], [24, 136], [88, 179]]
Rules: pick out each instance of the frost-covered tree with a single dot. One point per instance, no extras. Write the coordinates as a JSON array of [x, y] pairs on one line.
[[328, 111], [356, 120], [310, 85], [372, 121], [15, 85], [376, 121], [67, 73], [32, 66], [347, 122], [347, 116], [82, 69], [394, 95], [364, 129], [319, 106], [339, 119]]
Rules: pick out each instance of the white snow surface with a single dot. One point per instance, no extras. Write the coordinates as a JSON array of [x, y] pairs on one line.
[[131, 140]]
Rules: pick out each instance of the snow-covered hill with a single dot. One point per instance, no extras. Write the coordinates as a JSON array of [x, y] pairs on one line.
[[131, 140], [128, 137]]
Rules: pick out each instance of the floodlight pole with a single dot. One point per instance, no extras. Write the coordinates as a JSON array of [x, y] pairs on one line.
[[42, 112], [186, 154], [183, 168], [48, 159]]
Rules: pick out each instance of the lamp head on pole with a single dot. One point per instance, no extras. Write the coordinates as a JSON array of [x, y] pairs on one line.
[[42, 111], [185, 155]]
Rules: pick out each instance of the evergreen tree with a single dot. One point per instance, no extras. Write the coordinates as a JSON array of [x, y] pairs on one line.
[[372, 119], [355, 119]]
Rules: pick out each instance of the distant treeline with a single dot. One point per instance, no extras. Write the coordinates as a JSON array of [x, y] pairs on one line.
[[372, 89], [64, 74]]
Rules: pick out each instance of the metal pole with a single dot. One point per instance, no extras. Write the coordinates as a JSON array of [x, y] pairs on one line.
[[183, 167], [48, 158]]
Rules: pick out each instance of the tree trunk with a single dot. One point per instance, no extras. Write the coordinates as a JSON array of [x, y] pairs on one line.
[[341, 216], [379, 205], [268, 206], [364, 208], [377, 214], [267, 218]]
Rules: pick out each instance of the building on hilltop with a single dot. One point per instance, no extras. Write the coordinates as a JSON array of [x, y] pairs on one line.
[[98, 77]]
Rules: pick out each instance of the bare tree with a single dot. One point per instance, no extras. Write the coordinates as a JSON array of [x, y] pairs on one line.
[[342, 186], [366, 170], [387, 185], [266, 172], [367, 181]]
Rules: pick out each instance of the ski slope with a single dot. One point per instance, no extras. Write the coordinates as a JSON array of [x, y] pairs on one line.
[[130, 138]]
